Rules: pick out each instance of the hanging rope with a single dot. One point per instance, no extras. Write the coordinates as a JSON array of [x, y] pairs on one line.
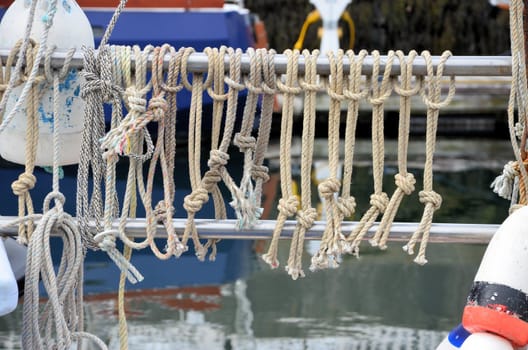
[[62, 313], [26, 181], [331, 243], [307, 215], [513, 182], [428, 197], [288, 203], [404, 180], [346, 204], [379, 200]]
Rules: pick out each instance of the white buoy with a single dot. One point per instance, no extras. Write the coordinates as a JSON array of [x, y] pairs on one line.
[[70, 29], [330, 11], [498, 300], [454, 339], [486, 341], [8, 283]]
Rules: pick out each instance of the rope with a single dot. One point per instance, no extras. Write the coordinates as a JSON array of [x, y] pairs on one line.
[[428, 197], [288, 203], [200, 188], [513, 181], [404, 180], [346, 204], [62, 313], [26, 181], [331, 243], [307, 215], [379, 199], [244, 199]]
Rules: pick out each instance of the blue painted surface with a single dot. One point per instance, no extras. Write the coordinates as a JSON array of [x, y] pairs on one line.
[[458, 336]]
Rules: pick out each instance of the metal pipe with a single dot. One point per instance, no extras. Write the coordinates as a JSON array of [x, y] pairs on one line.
[[455, 65], [225, 229]]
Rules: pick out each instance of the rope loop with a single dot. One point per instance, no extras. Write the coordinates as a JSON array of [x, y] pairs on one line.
[[288, 206], [58, 199], [135, 101], [379, 201], [430, 197], [405, 183]]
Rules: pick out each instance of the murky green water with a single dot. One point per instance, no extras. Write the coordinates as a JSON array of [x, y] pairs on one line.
[[381, 301]]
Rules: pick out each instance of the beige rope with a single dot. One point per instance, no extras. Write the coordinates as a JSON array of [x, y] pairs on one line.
[[428, 197], [404, 180], [288, 203], [331, 243], [353, 93], [26, 181], [379, 199], [307, 215]]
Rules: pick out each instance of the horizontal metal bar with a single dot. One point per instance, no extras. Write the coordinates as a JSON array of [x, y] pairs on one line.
[[455, 65], [225, 229]]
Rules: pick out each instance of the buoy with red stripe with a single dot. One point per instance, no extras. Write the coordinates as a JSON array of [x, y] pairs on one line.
[[70, 29], [498, 300]]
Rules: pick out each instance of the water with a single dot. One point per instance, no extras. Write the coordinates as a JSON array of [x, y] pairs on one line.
[[381, 301]]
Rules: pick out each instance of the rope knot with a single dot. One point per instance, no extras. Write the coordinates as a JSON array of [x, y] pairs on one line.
[[406, 183], [329, 187], [379, 201], [217, 159], [161, 210], [346, 206], [135, 100], [245, 143], [211, 178], [106, 240], [431, 197], [260, 172], [26, 181], [306, 218], [503, 184], [288, 206], [193, 202], [158, 106]]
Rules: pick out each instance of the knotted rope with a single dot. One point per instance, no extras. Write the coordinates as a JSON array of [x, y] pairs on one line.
[[62, 315], [346, 204], [331, 243], [307, 215], [513, 182], [259, 172], [379, 199], [26, 181], [428, 197], [288, 203], [404, 180]]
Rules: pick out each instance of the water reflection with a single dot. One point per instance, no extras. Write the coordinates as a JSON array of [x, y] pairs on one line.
[[381, 301]]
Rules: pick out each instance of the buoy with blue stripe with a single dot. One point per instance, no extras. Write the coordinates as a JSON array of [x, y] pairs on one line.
[[70, 29], [498, 300], [8, 283], [454, 339]]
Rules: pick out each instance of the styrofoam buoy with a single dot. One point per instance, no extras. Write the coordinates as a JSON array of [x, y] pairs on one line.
[[70, 29], [498, 300], [8, 283], [454, 339], [486, 341]]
